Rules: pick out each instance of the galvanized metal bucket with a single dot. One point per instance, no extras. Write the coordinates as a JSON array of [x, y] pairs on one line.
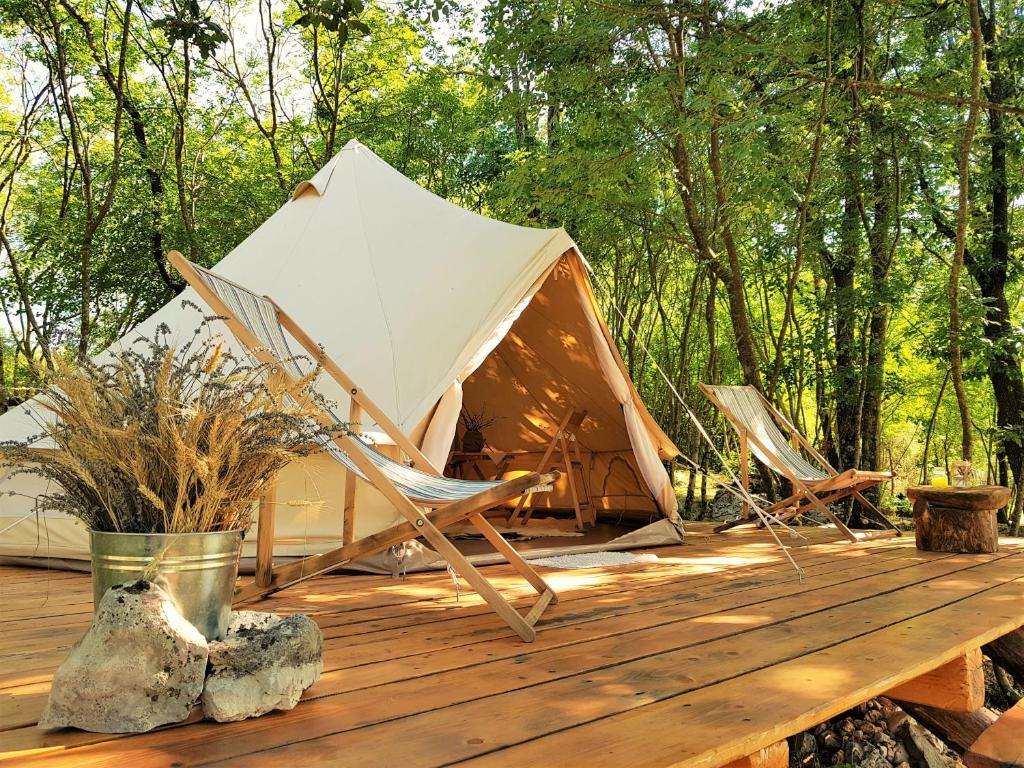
[[197, 570]]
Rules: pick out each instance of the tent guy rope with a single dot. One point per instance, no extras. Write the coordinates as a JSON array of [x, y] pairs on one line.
[[736, 487]]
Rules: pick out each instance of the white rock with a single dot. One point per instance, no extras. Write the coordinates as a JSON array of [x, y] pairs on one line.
[[921, 749], [140, 665], [263, 663], [246, 621], [900, 755]]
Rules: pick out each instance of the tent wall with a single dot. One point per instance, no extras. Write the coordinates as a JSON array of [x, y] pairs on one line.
[[413, 297], [310, 499]]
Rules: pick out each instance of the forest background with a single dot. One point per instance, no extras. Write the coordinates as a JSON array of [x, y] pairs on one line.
[[817, 197]]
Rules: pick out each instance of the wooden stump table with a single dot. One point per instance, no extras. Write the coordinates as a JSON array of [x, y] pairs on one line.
[[957, 519]]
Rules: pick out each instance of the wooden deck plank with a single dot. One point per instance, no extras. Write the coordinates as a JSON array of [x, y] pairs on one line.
[[355, 624], [16, 669], [447, 735], [359, 586], [380, 592], [637, 577], [430, 738], [692, 590], [415, 677], [725, 721], [339, 669], [566, 649], [362, 592]]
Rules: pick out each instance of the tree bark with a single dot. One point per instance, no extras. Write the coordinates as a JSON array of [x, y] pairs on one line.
[[990, 272], [745, 348], [730, 272], [959, 730], [881, 242], [1008, 653], [846, 385], [940, 529]]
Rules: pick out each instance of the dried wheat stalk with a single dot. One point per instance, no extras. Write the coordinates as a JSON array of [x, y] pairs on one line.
[[168, 440]]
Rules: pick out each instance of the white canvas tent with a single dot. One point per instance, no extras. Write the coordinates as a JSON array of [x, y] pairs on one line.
[[430, 308]]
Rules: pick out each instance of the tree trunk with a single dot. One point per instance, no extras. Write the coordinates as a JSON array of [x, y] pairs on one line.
[[1008, 653], [880, 244], [847, 380], [85, 298], [959, 730], [990, 272], [733, 274], [955, 355]]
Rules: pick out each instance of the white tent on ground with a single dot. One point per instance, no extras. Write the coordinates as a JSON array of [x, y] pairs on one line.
[[432, 309]]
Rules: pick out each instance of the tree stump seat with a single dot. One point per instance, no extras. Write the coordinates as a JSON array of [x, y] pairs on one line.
[[957, 519]]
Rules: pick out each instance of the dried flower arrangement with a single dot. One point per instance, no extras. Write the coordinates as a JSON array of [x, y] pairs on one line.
[[477, 421], [167, 440]]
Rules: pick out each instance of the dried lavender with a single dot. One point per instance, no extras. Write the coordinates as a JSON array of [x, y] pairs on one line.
[[164, 439]]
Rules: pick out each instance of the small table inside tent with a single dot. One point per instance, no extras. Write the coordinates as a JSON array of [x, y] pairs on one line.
[[460, 463]]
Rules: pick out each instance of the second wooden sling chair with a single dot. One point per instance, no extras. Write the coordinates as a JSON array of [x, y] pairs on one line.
[[758, 422], [262, 327]]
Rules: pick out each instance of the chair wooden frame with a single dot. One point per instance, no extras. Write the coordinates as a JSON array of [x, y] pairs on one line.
[[807, 494], [566, 439], [419, 523]]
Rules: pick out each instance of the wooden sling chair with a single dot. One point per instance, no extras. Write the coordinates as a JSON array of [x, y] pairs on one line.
[[758, 422], [262, 327], [565, 438]]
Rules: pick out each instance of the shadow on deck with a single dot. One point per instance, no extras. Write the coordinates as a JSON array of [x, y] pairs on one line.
[[711, 653]]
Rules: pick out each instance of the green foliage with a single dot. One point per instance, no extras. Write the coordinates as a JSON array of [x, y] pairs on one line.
[[551, 113], [188, 24], [334, 16]]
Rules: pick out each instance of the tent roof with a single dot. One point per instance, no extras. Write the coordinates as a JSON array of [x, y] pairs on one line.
[[399, 259], [397, 283]]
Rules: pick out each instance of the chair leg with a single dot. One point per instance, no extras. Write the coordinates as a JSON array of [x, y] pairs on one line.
[[817, 503], [480, 585], [734, 524], [754, 520], [875, 512], [516, 560], [823, 504], [265, 538], [782, 504], [745, 473], [813, 501]]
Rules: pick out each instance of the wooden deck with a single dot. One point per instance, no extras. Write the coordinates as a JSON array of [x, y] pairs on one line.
[[707, 655]]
